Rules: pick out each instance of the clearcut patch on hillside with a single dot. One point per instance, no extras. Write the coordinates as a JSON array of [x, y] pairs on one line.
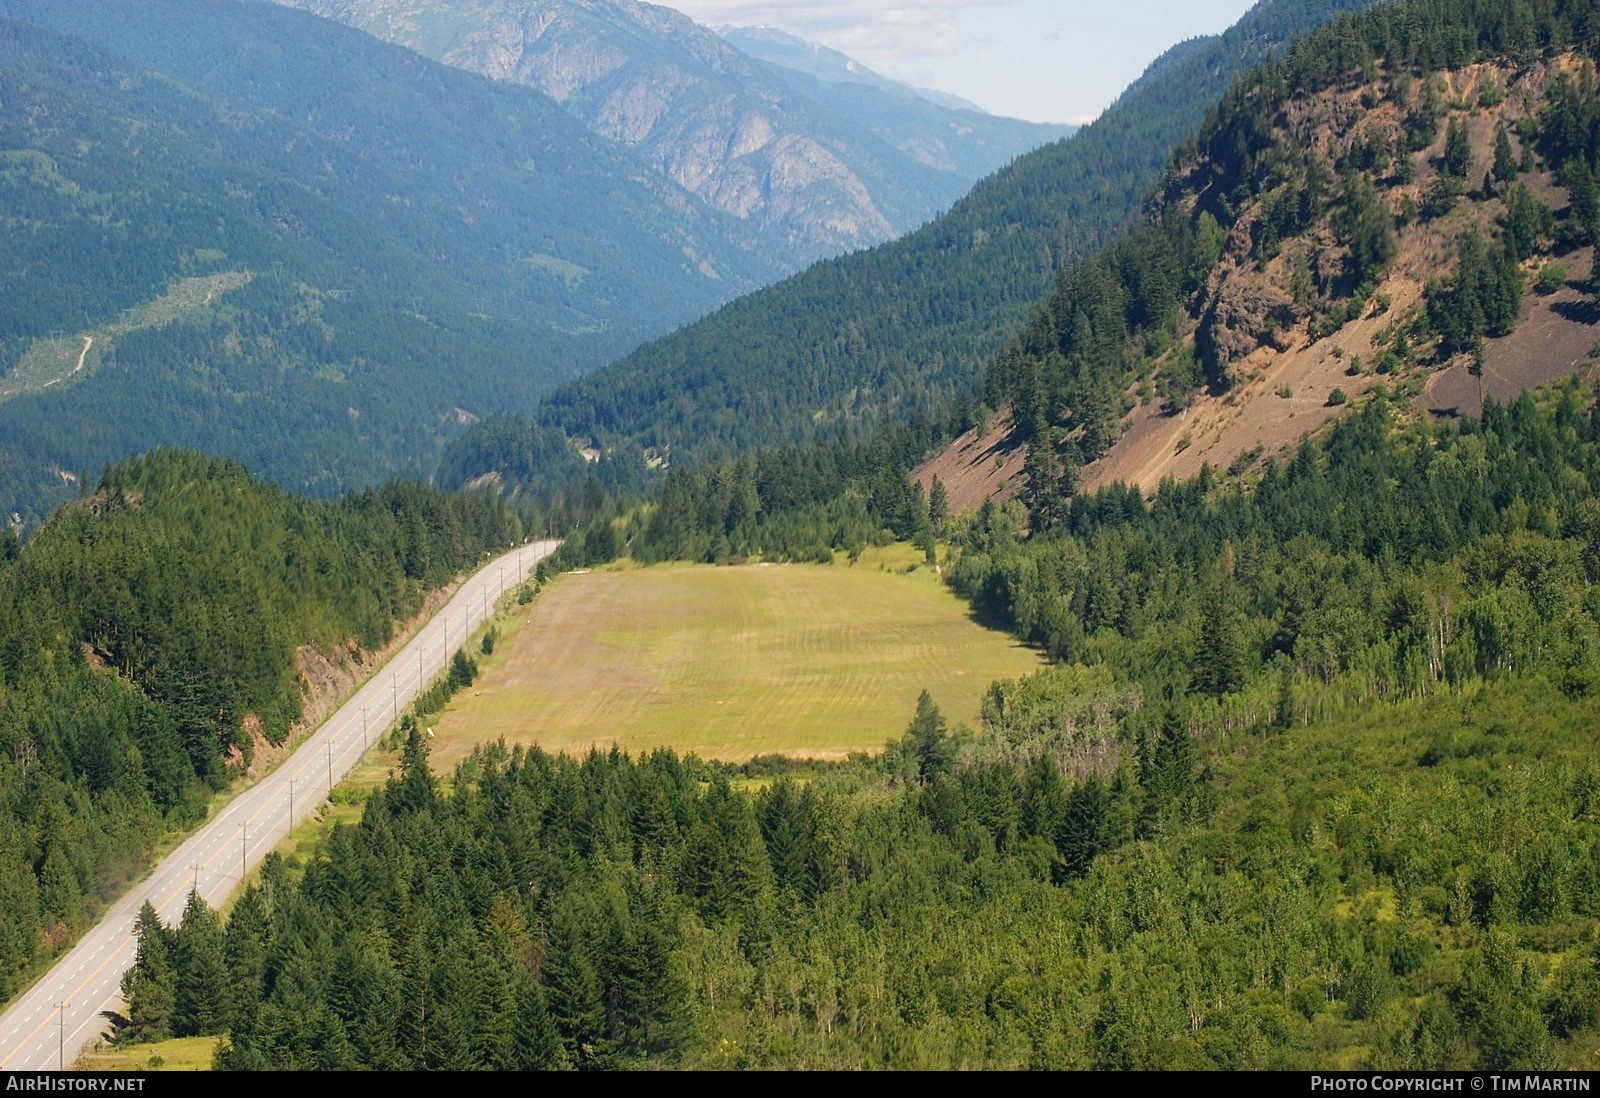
[[801, 660], [63, 358]]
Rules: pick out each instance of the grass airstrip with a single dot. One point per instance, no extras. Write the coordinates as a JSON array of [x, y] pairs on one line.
[[731, 662]]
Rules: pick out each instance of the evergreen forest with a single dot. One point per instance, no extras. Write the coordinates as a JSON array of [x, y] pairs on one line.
[[302, 248], [901, 327], [154, 633], [1310, 784]]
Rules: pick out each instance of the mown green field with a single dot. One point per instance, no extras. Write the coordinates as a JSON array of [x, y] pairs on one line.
[[802, 660]]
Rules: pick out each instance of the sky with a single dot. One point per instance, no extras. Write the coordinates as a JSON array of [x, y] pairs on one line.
[[1043, 60]]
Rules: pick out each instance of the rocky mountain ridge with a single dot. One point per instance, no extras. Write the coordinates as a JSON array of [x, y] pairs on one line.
[[940, 131], [1427, 236], [806, 172]]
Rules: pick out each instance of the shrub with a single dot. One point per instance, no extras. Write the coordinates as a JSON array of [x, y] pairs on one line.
[[1551, 279]]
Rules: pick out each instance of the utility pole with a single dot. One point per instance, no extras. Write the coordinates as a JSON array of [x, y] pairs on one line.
[[195, 887], [61, 1035]]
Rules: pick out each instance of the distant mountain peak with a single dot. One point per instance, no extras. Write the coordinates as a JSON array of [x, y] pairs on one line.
[[815, 169], [811, 179], [779, 47]]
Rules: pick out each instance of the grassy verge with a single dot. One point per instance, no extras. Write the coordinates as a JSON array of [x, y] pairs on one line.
[[177, 1054]]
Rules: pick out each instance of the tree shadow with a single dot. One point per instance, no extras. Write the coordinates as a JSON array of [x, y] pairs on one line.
[[1586, 311], [1006, 445], [984, 613]]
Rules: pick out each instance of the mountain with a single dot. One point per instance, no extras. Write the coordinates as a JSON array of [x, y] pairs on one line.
[[241, 228], [906, 324], [1340, 227], [788, 51], [813, 181], [964, 140], [1358, 223]]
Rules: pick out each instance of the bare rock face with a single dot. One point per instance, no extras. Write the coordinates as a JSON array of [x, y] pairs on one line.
[[1245, 314], [692, 107], [1243, 307], [639, 107]]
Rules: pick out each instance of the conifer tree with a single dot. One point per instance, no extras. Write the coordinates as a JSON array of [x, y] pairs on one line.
[[938, 507], [1504, 168], [150, 985], [1084, 832], [1584, 198], [1283, 708], [1218, 663], [1457, 149], [1043, 494], [1044, 801], [536, 1044], [1170, 782], [576, 995], [927, 741], [778, 813], [201, 1003], [415, 790]]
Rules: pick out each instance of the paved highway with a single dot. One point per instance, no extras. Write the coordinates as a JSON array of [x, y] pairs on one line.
[[38, 1033]]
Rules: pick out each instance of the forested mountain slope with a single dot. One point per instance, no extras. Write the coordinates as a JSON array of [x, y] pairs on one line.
[[1312, 787], [304, 248], [810, 179], [906, 323], [158, 631], [1369, 212], [1366, 215]]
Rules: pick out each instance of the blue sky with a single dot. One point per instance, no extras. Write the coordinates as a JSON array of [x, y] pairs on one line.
[[1045, 60]]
